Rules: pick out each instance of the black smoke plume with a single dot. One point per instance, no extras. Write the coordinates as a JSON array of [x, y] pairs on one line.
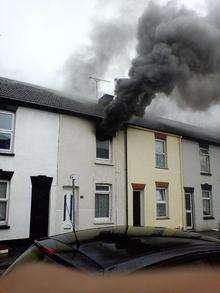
[[178, 51]]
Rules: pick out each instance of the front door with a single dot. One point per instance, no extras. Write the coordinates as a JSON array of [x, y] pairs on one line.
[[136, 208], [40, 206], [189, 210]]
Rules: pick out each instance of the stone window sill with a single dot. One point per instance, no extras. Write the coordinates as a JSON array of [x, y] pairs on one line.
[[104, 163], [205, 174], [209, 218], [163, 218], [97, 222]]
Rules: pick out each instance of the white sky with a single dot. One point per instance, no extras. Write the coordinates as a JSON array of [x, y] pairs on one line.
[[37, 36]]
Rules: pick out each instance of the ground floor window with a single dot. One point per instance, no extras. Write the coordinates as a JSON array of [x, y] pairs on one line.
[[207, 203], [102, 201], [4, 191], [161, 202]]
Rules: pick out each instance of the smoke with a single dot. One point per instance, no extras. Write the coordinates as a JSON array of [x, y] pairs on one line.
[[178, 54], [110, 42]]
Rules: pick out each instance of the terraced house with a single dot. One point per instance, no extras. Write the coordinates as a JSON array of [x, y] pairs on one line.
[[44, 139], [154, 176], [154, 172], [201, 170]]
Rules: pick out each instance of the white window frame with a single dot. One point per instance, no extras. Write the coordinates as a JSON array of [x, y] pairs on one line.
[[6, 199], [162, 202], [201, 154], [109, 192], [207, 198], [110, 152], [164, 153], [11, 131]]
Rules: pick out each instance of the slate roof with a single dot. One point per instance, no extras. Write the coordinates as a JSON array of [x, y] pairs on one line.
[[36, 96], [20, 93]]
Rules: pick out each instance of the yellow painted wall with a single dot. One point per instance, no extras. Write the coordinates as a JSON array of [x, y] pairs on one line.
[[141, 169]]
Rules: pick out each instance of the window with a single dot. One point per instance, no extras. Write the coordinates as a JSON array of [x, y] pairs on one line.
[[3, 201], [207, 203], [6, 131], [204, 160], [161, 202], [102, 201], [161, 157], [68, 207], [103, 149]]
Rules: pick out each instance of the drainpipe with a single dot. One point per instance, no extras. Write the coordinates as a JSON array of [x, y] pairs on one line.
[[181, 181], [126, 172]]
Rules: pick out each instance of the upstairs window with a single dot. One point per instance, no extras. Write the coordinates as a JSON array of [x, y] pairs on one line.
[[161, 155], [6, 131], [204, 160], [3, 202], [102, 201], [207, 203], [103, 149]]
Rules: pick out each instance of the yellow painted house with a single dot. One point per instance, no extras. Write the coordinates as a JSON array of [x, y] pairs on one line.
[[155, 193]]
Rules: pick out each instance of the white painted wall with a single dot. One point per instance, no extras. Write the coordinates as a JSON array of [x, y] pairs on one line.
[[192, 178], [35, 148], [77, 155]]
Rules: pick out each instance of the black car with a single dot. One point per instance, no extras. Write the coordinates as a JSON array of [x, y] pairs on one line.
[[124, 250]]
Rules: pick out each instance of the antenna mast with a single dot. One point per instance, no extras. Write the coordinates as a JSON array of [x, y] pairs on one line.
[[97, 81]]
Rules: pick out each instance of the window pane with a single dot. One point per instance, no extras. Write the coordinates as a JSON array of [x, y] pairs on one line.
[[5, 121], [5, 141], [101, 205], [206, 207], [161, 195], [102, 149], [102, 187], [205, 165], [160, 161], [159, 147], [204, 151], [188, 219], [161, 210], [2, 211], [3, 189], [188, 201], [205, 193]]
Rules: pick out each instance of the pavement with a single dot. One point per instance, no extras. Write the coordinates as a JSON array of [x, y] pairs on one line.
[[215, 234], [16, 248]]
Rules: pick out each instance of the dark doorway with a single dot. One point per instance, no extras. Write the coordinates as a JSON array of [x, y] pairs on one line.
[[136, 208], [189, 210], [40, 206]]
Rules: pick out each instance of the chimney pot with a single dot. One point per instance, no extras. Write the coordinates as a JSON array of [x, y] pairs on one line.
[[105, 100]]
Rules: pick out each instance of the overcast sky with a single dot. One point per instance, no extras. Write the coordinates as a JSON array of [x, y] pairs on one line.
[[39, 36]]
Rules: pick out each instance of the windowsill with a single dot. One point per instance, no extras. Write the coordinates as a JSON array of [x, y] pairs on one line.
[[103, 222], [7, 154], [209, 218], [162, 168], [104, 162], [163, 218], [4, 227], [205, 174]]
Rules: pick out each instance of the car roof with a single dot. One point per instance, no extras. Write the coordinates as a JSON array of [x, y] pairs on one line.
[[124, 248]]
